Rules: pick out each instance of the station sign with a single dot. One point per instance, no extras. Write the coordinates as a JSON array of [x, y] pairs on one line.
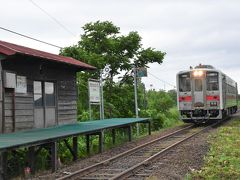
[[142, 72], [94, 91]]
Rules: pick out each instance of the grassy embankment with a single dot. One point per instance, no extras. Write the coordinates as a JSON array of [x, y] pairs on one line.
[[223, 158]]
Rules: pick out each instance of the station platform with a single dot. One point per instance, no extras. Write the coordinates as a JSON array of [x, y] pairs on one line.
[[36, 139], [39, 136]]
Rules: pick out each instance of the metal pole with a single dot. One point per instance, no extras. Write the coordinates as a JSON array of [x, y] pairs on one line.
[[135, 95], [100, 94], [102, 100], [135, 92], [89, 103]]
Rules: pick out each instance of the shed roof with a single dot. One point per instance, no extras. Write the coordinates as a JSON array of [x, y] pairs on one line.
[[9, 49]]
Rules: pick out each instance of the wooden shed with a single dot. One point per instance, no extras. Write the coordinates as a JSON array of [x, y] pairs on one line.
[[37, 89]]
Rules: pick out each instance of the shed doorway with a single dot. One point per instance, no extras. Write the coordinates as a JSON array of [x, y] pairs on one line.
[[44, 104]]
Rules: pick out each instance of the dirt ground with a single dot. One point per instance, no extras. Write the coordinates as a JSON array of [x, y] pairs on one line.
[[182, 159]]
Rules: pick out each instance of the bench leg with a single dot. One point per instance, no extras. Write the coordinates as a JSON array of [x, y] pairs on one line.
[[3, 165], [113, 136], [149, 127], [75, 148], [88, 143], [54, 156], [130, 133], [31, 159], [101, 141]]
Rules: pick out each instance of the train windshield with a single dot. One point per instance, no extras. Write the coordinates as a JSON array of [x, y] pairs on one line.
[[184, 82], [198, 84], [212, 81]]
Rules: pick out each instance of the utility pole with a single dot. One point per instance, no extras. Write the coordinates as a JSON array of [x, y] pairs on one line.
[[135, 90], [135, 95]]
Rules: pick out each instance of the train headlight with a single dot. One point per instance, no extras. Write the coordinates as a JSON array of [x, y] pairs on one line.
[[200, 73], [197, 73]]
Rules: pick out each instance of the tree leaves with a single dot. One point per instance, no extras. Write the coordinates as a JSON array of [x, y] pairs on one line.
[[102, 44]]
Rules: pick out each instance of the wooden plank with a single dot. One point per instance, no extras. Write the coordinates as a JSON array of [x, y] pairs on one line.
[[67, 98], [24, 119], [67, 93], [24, 112], [24, 100], [8, 113], [67, 121], [24, 125], [67, 107], [19, 106], [66, 112], [67, 103], [21, 95], [8, 119], [67, 116], [8, 99]]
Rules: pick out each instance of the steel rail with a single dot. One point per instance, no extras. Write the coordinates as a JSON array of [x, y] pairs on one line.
[[125, 174], [93, 167]]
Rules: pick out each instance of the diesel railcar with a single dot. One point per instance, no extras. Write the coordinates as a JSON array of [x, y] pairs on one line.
[[205, 94]]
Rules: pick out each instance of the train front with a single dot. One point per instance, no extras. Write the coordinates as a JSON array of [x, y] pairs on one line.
[[199, 94]]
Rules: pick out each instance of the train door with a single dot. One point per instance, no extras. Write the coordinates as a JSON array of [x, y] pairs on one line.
[[198, 92]]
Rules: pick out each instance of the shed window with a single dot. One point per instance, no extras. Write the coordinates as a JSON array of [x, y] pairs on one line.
[[49, 93], [38, 97]]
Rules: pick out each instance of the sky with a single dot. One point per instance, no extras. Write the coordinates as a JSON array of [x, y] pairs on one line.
[[189, 31]]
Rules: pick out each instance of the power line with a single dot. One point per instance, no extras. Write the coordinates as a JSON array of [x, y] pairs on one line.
[[162, 80], [5, 29], [53, 18]]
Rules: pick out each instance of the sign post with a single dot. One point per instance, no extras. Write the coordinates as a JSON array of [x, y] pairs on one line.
[[94, 94], [138, 73]]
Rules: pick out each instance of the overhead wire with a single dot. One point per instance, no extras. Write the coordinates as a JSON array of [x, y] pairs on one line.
[[162, 80], [53, 18], [29, 37]]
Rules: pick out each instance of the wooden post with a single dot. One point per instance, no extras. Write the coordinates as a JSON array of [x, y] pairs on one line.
[[54, 156], [101, 141], [113, 136], [3, 165], [75, 148], [88, 143], [149, 127], [31, 159], [129, 133]]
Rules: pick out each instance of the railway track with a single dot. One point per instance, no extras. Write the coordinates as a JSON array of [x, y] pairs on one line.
[[128, 163]]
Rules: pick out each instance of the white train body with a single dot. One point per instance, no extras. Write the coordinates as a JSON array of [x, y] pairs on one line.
[[205, 93]]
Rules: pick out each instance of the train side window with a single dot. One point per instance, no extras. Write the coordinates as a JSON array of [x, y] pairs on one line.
[[212, 81], [184, 82], [198, 85]]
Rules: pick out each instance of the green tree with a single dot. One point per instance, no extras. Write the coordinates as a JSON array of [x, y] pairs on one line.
[[102, 45]]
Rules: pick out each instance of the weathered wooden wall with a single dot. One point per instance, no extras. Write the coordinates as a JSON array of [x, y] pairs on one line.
[[64, 77]]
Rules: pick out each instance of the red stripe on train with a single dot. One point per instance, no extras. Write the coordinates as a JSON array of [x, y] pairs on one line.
[[213, 98], [185, 98]]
